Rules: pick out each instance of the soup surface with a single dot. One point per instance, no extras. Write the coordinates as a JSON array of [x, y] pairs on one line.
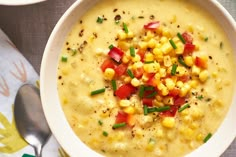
[[151, 79]]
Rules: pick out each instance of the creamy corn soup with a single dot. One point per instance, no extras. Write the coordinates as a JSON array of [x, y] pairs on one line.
[[145, 78]]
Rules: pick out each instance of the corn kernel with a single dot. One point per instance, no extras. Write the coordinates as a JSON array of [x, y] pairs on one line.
[[169, 84], [166, 48], [159, 133], [152, 67], [109, 74], [168, 100], [184, 90], [166, 32], [137, 65], [148, 57], [125, 59], [188, 61], [159, 30], [190, 28], [163, 40], [195, 70], [123, 45], [180, 48], [196, 113], [197, 45], [199, 137], [151, 43], [164, 91], [127, 79], [129, 110], [135, 82], [143, 45], [203, 76], [130, 34], [122, 35], [167, 61], [161, 86], [168, 122], [193, 83], [179, 84], [214, 74], [124, 103], [181, 71], [158, 53], [136, 58], [162, 72]]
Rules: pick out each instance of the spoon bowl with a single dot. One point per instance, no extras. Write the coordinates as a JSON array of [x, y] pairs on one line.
[[29, 117]]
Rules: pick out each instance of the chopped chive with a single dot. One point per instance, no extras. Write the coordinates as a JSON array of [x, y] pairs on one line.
[[174, 68], [221, 45], [206, 39], [130, 73], [111, 47], [118, 125], [181, 38], [113, 83], [181, 61], [97, 91], [141, 91], [148, 62], [100, 122], [164, 108], [74, 52], [145, 110], [64, 58], [152, 94], [207, 137], [125, 28], [148, 88], [172, 44], [183, 107], [200, 97], [104, 133], [99, 19], [132, 51]]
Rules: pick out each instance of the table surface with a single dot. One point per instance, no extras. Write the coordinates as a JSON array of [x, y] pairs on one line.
[[29, 27]]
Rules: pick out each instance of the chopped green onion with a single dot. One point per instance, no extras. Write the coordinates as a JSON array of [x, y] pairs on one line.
[[141, 91], [207, 137], [148, 88], [174, 68], [64, 58], [206, 39], [145, 110], [105, 133], [148, 62], [99, 19], [119, 125], [111, 47], [152, 94], [100, 122], [97, 91], [183, 107], [130, 73], [172, 44], [132, 51], [161, 109], [181, 38], [200, 97], [74, 52], [113, 83], [181, 61], [125, 28]]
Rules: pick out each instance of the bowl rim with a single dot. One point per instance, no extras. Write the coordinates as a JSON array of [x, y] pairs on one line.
[[19, 3], [65, 142]]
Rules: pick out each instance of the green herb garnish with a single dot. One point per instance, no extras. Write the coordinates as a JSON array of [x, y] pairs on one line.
[[125, 28], [183, 107], [132, 51], [100, 122], [200, 97], [172, 44], [145, 110], [119, 125], [97, 91], [174, 68], [207, 137], [152, 95], [181, 38], [111, 47], [148, 62], [100, 19], [113, 83], [206, 39], [141, 91], [104, 133], [64, 58], [181, 61], [130, 73]]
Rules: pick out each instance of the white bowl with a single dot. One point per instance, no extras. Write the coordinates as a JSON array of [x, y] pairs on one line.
[[19, 2], [52, 108]]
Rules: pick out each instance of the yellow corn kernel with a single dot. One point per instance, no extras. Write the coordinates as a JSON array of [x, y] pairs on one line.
[[158, 53], [145, 78], [162, 72], [173, 60], [136, 58], [196, 113], [190, 28], [166, 48], [166, 32], [179, 84], [184, 90], [180, 48], [135, 82], [150, 146], [195, 70], [170, 84], [168, 122], [127, 79], [159, 133], [143, 45], [151, 43], [168, 100], [152, 67], [137, 65], [148, 57], [163, 40], [200, 137], [197, 45], [109, 74], [193, 83], [124, 103], [122, 35], [189, 61], [158, 45], [161, 86], [184, 113], [188, 133], [123, 45], [203, 76], [175, 39], [214, 74], [164, 91], [65, 70], [64, 101], [129, 110], [130, 34], [125, 59], [181, 71], [167, 61]]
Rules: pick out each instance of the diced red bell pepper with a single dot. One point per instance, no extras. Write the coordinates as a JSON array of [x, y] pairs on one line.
[[174, 92], [147, 102], [170, 113], [141, 53], [151, 80], [184, 78], [116, 54], [188, 49], [123, 117], [152, 25], [138, 73], [125, 91], [200, 62], [108, 63], [120, 69], [187, 37], [178, 101]]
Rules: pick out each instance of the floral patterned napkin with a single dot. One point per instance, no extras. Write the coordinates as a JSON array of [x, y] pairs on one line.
[[15, 70]]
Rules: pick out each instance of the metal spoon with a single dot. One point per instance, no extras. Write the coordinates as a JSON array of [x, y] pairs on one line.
[[30, 119]]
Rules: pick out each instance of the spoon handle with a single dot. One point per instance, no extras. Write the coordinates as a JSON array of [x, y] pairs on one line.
[[38, 151]]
